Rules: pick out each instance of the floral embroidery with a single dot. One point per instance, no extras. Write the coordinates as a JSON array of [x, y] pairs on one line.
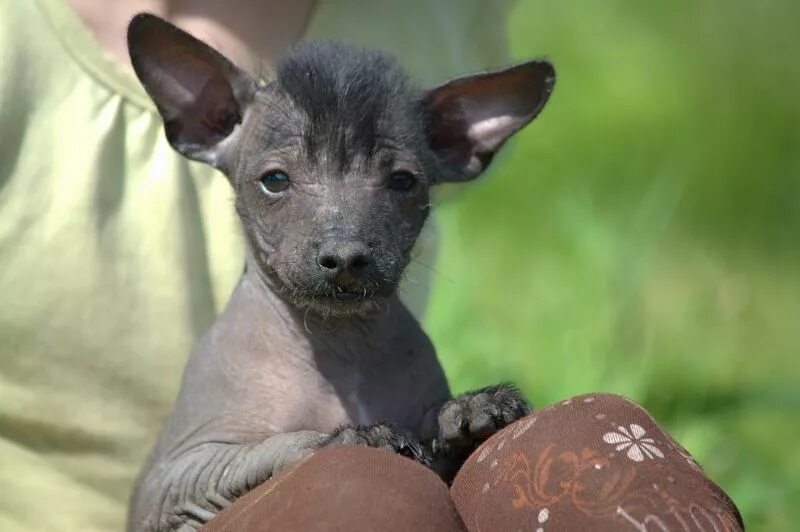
[[632, 440], [561, 476]]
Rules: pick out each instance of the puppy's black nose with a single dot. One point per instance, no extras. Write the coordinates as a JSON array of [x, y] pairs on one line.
[[339, 259]]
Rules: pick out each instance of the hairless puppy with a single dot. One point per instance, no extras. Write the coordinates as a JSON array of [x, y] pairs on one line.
[[332, 163]]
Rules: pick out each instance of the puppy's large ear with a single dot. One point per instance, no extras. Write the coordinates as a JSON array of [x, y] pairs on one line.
[[469, 118], [200, 94]]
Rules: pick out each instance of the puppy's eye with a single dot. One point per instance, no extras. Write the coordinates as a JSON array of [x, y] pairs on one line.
[[273, 183], [402, 181]]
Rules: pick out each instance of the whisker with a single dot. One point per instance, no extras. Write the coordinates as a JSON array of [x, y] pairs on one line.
[[426, 266], [305, 320]]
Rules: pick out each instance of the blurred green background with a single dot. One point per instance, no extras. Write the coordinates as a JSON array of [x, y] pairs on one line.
[[643, 235]]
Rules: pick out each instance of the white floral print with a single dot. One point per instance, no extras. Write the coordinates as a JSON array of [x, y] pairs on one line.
[[632, 439]]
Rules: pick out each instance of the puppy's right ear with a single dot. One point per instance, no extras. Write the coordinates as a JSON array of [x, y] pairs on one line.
[[201, 95]]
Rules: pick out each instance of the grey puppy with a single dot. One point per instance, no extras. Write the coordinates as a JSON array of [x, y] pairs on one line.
[[332, 164]]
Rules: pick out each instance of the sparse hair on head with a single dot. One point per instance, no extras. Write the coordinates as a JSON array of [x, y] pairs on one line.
[[345, 92]]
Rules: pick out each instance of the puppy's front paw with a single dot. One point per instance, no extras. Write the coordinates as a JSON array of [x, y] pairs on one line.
[[469, 419], [382, 436]]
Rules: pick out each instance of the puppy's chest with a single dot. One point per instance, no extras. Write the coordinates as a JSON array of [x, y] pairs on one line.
[[350, 401], [334, 395]]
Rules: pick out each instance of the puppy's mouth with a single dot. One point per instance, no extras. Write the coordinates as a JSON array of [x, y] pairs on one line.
[[333, 300], [348, 295], [340, 302], [351, 294]]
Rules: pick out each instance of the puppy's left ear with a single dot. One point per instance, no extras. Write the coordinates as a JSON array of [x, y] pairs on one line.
[[469, 118], [199, 93]]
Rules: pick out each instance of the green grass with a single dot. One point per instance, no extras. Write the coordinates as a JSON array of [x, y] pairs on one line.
[[643, 235]]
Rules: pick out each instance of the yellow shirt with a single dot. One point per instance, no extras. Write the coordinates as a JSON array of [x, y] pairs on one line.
[[116, 253]]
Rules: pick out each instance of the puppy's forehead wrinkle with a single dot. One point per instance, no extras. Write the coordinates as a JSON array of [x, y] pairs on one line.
[[278, 132]]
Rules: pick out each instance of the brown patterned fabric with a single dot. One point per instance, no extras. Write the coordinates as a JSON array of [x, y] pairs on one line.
[[345, 489], [596, 462], [591, 463]]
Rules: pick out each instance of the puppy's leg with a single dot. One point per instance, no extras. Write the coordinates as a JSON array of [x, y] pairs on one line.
[[188, 489]]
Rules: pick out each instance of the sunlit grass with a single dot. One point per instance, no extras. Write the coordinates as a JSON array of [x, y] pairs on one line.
[[643, 236]]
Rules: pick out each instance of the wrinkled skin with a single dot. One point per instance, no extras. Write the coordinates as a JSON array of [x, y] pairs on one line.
[[332, 165], [336, 204]]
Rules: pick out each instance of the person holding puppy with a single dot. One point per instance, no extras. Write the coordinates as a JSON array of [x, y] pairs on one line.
[[115, 252]]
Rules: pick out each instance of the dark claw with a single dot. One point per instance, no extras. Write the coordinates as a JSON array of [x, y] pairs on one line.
[[382, 436]]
